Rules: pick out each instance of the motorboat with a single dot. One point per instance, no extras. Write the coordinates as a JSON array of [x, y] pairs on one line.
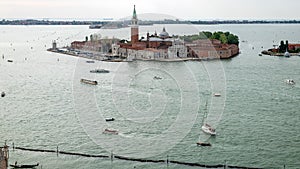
[[91, 82], [110, 131], [24, 165], [109, 119], [217, 95], [206, 128], [203, 144], [99, 71], [90, 61], [157, 77], [290, 81]]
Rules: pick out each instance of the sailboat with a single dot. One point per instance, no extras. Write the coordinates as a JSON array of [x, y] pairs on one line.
[[206, 128]]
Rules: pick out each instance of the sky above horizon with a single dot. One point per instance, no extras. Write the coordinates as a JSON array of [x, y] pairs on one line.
[[117, 9]]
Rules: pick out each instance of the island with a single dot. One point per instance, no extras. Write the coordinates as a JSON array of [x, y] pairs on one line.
[[284, 49], [155, 47]]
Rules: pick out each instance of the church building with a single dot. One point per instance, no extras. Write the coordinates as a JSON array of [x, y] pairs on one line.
[[154, 47]]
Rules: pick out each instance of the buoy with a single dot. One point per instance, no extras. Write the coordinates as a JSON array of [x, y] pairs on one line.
[[2, 94]]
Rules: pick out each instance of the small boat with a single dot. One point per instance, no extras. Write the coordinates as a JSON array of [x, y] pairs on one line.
[[217, 95], [99, 71], [206, 128], [24, 165], [91, 82], [259, 54], [90, 61], [10, 60], [203, 144], [290, 81], [2, 94], [109, 119], [157, 77], [109, 131]]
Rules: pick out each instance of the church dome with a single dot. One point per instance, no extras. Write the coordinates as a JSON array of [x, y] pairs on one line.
[[164, 33]]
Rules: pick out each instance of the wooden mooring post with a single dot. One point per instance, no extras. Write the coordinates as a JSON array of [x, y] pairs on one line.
[[4, 156]]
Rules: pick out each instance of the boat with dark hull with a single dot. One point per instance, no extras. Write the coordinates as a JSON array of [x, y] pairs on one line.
[[110, 119], [91, 82], [203, 144], [24, 165], [110, 131], [99, 71]]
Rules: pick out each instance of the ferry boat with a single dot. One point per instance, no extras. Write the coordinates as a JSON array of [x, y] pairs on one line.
[[91, 82], [109, 131], [99, 71]]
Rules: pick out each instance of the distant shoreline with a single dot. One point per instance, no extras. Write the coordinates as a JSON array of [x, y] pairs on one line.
[[166, 21]]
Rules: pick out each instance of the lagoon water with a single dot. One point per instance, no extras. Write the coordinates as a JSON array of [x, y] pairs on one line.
[[257, 116]]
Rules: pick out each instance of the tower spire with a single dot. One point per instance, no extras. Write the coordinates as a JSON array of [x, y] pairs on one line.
[[134, 13]]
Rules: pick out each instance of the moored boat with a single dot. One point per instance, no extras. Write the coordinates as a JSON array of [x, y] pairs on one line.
[[91, 82]]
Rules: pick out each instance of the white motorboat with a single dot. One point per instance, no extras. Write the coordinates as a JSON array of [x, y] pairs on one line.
[[290, 81], [217, 94], [206, 128]]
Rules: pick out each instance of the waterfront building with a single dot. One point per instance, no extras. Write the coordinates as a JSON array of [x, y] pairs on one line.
[[211, 49]]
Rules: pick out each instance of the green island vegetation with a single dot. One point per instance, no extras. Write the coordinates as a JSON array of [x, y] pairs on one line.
[[224, 37]]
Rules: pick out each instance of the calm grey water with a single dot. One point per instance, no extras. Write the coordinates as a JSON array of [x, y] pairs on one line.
[[257, 116]]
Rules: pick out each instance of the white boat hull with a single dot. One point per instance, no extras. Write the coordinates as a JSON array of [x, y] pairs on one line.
[[208, 130]]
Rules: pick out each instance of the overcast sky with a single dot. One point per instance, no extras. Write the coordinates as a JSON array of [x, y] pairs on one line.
[[185, 9]]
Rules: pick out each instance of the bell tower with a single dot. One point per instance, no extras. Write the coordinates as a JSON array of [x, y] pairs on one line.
[[134, 28]]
